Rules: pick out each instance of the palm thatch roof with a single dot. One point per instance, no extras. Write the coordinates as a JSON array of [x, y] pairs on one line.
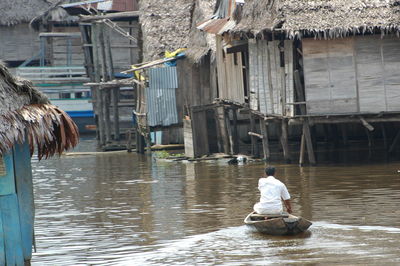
[[201, 43], [323, 18], [165, 26], [25, 112], [14, 12]]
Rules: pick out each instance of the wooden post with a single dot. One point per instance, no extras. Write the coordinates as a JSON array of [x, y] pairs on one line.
[[385, 143], [236, 147], [302, 149], [394, 143], [344, 134], [105, 93], [140, 143], [97, 95], [229, 131], [223, 127], [219, 131], [254, 147], [129, 140], [284, 140], [115, 91], [307, 135], [265, 141]]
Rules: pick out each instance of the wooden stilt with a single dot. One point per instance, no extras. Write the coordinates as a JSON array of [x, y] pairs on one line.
[[218, 129], [254, 147], [384, 137], [223, 129], [302, 149], [343, 129], [129, 140], [229, 131], [307, 135], [265, 141], [394, 143], [235, 133], [284, 140], [140, 143]]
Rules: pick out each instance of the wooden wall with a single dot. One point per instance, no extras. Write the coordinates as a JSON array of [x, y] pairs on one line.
[[59, 48], [270, 87], [352, 75], [230, 74], [18, 43]]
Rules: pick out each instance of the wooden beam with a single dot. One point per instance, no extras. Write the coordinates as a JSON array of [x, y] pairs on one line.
[[118, 15], [366, 124], [255, 135]]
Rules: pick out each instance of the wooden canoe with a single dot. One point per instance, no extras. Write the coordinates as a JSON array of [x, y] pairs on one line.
[[285, 224]]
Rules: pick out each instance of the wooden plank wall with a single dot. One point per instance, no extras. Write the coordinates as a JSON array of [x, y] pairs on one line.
[[12, 251], [18, 42], [230, 74], [329, 73], [266, 76], [188, 138], [58, 51], [352, 75]]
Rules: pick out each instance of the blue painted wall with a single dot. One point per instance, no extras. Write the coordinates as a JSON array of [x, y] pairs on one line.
[[16, 207], [24, 189]]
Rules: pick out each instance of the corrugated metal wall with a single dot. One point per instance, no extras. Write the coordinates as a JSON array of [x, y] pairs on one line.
[[161, 97]]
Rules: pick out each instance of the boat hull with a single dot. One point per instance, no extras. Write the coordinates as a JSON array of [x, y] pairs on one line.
[[284, 225]]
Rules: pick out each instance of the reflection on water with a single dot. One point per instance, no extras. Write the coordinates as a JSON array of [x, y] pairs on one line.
[[126, 209]]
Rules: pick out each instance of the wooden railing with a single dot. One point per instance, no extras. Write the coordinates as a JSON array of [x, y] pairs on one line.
[[56, 74]]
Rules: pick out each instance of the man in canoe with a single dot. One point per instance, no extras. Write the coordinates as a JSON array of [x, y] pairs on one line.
[[273, 192]]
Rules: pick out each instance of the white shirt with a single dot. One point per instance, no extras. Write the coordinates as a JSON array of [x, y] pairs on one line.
[[272, 192]]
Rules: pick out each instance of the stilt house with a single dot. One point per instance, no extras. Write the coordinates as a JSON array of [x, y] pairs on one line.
[[317, 62], [18, 42], [27, 120]]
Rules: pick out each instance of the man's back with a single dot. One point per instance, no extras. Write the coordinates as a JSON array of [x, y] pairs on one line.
[[272, 193]]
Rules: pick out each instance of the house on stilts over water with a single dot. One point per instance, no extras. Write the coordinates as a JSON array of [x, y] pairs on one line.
[[323, 66], [18, 42], [27, 122]]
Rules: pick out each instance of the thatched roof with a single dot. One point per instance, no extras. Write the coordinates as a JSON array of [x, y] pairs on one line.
[[165, 26], [14, 12], [324, 18], [24, 110], [201, 43]]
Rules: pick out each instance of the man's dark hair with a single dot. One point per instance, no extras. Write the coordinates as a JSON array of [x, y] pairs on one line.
[[270, 170]]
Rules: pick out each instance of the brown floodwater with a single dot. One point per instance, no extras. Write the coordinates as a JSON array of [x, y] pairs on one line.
[[128, 209]]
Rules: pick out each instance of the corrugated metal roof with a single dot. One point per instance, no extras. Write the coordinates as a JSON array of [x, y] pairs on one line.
[[161, 98]]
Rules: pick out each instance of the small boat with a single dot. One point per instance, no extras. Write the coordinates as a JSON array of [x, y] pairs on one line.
[[281, 224]]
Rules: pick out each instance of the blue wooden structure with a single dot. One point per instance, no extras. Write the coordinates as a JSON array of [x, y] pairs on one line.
[[27, 119], [16, 206]]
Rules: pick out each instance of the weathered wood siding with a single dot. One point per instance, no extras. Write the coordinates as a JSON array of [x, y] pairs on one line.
[[18, 43], [230, 74], [268, 90], [352, 75]]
